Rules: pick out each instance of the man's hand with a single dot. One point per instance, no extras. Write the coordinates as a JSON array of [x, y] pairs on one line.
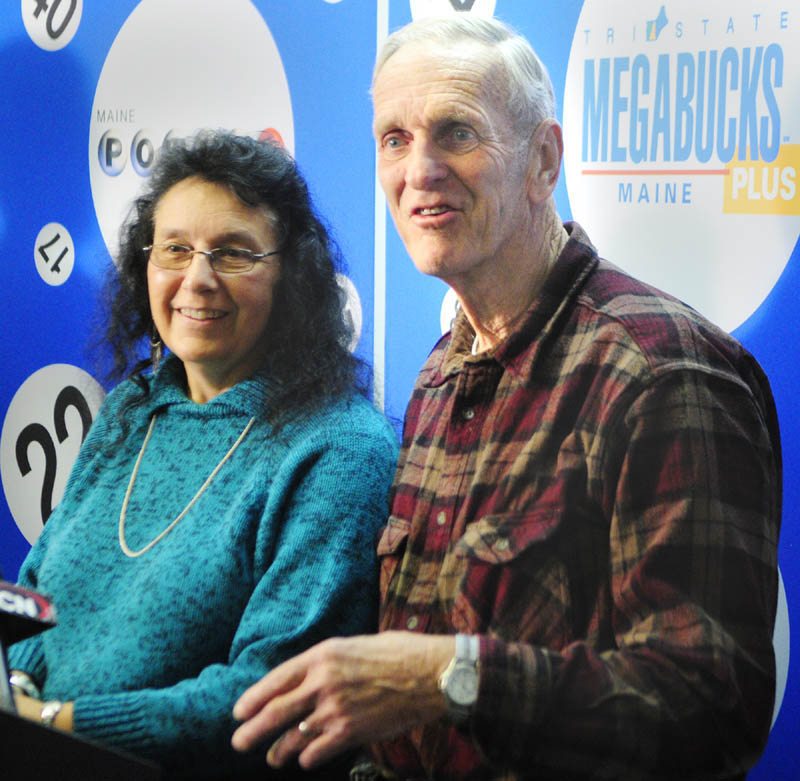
[[343, 693]]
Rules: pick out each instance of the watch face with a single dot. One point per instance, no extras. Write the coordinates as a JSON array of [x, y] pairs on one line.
[[463, 686]]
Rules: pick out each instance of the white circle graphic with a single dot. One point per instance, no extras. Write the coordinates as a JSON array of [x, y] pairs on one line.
[[781, 642], [45, 424], [352, 309], [682, 145], [54, 254], [423, 8], [448, 310], [170, 72], [51, 24]]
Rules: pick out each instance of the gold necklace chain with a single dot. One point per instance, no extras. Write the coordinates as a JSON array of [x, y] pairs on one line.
[[123, 512]]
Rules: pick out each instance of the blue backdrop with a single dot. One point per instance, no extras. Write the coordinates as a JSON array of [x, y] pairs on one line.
[[89, 93]]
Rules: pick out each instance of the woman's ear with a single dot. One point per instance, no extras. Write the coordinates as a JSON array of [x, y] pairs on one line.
[[544, 160]]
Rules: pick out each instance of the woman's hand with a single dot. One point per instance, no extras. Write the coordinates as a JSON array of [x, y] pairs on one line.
[[30, 708]]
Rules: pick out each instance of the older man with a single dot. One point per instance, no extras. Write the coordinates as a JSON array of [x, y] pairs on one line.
[[579, 571]]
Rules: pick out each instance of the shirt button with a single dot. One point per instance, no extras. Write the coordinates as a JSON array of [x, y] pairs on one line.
[[412, 623], [468, 414], [441, 518]]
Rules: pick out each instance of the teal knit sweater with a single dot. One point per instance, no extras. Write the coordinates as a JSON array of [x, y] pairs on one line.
[[277, 554]]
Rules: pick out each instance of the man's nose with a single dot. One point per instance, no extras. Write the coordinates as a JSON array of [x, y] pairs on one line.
[[426, 164]]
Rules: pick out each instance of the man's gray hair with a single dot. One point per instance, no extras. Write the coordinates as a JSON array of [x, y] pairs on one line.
[[529, 91]]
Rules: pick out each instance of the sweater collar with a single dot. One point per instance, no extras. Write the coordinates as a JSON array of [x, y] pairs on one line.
[[252, 396]]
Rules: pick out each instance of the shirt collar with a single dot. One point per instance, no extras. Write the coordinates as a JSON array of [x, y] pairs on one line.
[[569, 272]]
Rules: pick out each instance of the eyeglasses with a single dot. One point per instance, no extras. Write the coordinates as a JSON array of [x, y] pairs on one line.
[[224, 260]]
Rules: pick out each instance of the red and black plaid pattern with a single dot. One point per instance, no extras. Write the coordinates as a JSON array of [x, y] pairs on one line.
[[599, 499]]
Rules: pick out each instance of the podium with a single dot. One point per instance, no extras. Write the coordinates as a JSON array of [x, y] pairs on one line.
[[30, 751]]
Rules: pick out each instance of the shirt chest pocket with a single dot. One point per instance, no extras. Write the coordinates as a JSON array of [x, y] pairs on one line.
[[509, 579], [391, 547]]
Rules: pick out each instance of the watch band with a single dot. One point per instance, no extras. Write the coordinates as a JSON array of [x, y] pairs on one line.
[[468, 648], [50, 711]]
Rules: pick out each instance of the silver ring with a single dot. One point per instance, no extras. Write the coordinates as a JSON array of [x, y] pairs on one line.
[[303, 726]]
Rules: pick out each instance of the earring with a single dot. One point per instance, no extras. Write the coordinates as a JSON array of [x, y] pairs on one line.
[[156, 348]]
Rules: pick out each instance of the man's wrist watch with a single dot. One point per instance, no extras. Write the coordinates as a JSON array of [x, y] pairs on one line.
[[459, 681]]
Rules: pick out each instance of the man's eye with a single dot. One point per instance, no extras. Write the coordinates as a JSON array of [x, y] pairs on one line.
[[393, 143], [460, 138], [174, 249]]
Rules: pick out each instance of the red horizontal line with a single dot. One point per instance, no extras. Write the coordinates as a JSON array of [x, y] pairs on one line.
[[658, 172]]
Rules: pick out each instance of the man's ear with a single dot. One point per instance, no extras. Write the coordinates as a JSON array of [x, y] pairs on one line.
[[544, 160]]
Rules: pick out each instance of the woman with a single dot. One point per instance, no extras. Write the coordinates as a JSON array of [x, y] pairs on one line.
[[221, 514]]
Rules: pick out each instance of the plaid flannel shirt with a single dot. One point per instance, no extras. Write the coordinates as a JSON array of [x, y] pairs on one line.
[[599, 499]]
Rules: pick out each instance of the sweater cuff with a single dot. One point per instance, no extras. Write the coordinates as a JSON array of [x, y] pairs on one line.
[[27, 657], [117, 719]]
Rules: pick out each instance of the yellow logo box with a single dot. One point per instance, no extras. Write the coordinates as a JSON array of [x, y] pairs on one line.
[[756, 187]]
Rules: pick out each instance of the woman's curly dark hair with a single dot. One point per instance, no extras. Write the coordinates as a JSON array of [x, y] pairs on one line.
[[305, 347]]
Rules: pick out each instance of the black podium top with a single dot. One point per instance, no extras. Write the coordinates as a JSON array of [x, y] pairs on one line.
[[31, 751]]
